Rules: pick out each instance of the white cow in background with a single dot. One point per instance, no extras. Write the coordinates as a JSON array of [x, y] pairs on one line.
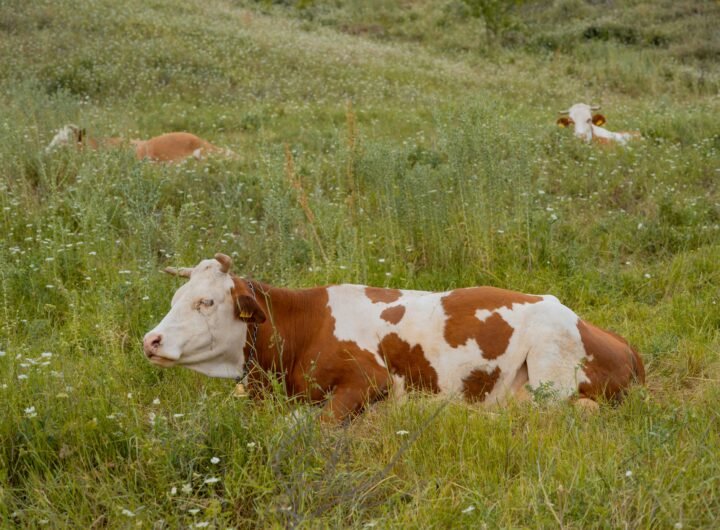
[[588, 125]]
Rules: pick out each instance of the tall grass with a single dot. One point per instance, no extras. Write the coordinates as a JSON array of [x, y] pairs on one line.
[[412, 158]]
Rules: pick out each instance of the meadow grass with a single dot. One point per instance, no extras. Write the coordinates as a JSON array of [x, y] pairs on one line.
[[382, 143]]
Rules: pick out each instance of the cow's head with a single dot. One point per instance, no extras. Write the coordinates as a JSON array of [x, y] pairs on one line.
[[69, 135], [206, 327], [580, 115]]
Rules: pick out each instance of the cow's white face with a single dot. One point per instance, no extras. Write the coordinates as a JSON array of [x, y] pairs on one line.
[[207, 324], [70, 134], [580, 116]]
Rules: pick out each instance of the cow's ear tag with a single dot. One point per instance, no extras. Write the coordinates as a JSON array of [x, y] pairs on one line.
[[598, 119], [563, 122], [239, 390], [244, 313]]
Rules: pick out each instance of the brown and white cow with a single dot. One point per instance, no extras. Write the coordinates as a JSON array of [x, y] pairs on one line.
[[352, 344], [168, 147], [588, 126]]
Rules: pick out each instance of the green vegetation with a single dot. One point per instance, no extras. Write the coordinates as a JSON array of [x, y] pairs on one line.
[[425, 145]]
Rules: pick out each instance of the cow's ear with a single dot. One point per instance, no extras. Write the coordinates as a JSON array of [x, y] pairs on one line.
[[247, 310], [599, 119], [564, 121]]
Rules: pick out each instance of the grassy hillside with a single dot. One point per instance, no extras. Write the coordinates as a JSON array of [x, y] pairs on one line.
[[427, 151]]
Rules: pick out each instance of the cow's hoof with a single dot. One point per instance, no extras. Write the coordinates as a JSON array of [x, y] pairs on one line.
[[587, 405]]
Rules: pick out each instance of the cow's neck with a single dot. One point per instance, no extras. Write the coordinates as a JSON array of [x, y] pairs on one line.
[[290, 326]]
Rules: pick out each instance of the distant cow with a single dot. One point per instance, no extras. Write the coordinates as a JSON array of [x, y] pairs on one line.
[[352, 344], [588, 125], [169, 147]]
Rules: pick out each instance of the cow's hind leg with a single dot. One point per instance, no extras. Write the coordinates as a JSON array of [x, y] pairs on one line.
[[555, 360]]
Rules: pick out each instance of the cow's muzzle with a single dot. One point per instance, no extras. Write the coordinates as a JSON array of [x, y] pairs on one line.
[[151, 346]]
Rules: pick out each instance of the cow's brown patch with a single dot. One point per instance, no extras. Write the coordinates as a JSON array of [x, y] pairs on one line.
[[297, 343], [378, 294], [492, 334], [479, 384], [393, 314], [408, 362], [612, 363]]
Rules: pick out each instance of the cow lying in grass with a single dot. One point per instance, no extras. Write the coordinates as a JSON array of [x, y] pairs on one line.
[[349, 345], [588, 125], [169, 147]]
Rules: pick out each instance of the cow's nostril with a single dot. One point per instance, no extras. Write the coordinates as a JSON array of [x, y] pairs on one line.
[[152, 343]]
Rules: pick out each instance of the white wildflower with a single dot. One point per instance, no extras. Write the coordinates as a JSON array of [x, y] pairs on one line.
[[173, 491], [211, 480], [214, 460], [46, 354], [127, 513], [156, 401], [22, 376], [30, 412], [402, 432], [628, 473], [186, 489], [194, 511], [469, 509]]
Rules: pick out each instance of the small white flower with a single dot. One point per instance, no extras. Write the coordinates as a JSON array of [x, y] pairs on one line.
[[178, 415], [125, 272], [146, 298], [46, 354], [156, 401], [640, 226], [186, 489], [381, 260], [211, 480], [3, 386], [250, 445], [214, 460], [30, 412], [2, 354], [647, 275], [92, 253], [203, 524], [194, 511], [127, 513], [678, 525], [129, 395], [49, 286], [469, 509], [22, 376], [553, 217], [173, 491], [628, 473], [151, 418], [402, 432]]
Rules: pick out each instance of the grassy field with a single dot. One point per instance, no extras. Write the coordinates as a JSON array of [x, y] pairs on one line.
[[425, 142]]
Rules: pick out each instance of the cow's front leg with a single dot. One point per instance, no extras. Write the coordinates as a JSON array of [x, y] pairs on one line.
[[344, 402]]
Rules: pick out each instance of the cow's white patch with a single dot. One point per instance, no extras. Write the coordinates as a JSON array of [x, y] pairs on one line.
[[546, 337], [66, 135]]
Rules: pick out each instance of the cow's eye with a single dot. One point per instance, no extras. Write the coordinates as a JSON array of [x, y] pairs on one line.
[[207, 302]]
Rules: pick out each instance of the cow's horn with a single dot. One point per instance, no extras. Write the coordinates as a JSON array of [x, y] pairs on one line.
[[564, 111], [182, 271], [225, 261], [595, 107]]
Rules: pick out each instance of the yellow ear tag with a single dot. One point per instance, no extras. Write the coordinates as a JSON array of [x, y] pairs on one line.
[[245, 314], [239, 390]]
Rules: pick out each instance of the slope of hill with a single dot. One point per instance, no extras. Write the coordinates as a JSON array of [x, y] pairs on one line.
[[427, 151]]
